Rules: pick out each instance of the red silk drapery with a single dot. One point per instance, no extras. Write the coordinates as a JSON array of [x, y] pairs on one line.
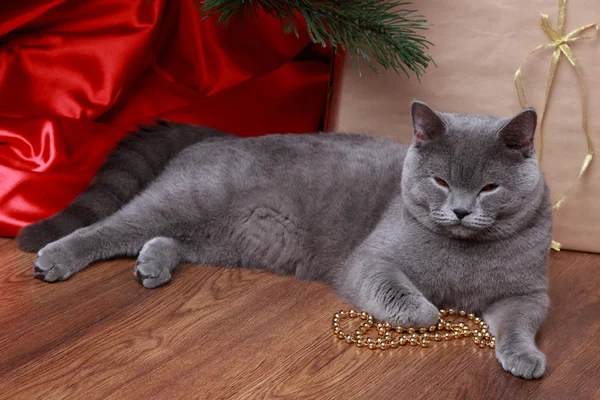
[[75, 76]]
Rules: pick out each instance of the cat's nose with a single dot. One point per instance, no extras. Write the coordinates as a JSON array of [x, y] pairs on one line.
[[461, 212]]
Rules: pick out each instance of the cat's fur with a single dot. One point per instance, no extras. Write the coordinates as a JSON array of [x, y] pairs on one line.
[[377, 219]]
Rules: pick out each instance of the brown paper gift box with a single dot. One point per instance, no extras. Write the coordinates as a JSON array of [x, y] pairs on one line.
[[478, 47]]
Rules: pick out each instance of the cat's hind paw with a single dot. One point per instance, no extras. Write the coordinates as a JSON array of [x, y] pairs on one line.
[[151, 274], [155, 262], [54, 264]]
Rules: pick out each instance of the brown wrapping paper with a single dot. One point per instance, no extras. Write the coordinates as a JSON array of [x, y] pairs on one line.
[[478, 47]]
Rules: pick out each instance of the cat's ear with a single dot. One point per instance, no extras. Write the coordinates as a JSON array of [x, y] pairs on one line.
[[519, 131], [427, 124]]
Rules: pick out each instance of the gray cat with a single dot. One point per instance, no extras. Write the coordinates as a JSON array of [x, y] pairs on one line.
[[461, 218]]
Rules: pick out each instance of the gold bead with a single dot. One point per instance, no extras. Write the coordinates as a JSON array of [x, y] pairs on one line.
[[413, 342], [447, 336], [484, 331], [443, 313], [457, 335], [403, 340], [343, 314], [451, 311], [387, 326], [424, 343], [448, 326], [440, 326], [341, 335], [461, 325], [471, 316], [487, 335], [462, 313], [379, 340], [394, 344], [336, 316], [352, 313], [477, 320], [411, 330], [336, 324], [432, 328], [492, 344], [425, 336], [348, 339], [422, 330], [363, 315], [358, 333], [482, 344], [476, 340], [485, 326], [368, 340], [399, 329], [437, 337], [372, 346], [414, 336], [383, 346]]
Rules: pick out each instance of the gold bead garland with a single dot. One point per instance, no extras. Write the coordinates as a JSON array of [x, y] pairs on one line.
[[445, 329]]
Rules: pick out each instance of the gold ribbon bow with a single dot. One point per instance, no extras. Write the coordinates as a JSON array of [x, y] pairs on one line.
[[560, 43]]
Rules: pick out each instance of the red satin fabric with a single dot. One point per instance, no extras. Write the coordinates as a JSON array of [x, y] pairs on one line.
[[76, 75]]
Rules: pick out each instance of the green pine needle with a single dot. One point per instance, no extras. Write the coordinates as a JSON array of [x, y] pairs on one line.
[[374, 30]]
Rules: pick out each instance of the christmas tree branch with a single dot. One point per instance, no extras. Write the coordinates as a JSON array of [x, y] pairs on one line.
[[374, 30]]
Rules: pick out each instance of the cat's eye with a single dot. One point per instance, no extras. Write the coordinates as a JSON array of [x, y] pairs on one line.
[[489, 187], [441, 182]]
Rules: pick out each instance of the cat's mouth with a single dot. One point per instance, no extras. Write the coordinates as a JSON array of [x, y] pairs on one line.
[[467, 228], [463, 230]]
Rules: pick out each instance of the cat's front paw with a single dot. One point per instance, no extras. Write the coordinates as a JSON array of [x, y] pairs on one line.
[[54, 263], [414, 312], [526, 364]]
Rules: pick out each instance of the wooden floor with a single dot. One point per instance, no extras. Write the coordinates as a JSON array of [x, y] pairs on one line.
[[217, 333]]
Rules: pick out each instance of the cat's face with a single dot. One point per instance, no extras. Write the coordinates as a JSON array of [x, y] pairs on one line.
[[471, 176]]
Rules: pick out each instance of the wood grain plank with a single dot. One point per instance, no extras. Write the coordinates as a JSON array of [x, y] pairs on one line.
[[218, 333]]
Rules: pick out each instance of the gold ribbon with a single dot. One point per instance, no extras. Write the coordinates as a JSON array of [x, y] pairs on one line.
[[560, 43]]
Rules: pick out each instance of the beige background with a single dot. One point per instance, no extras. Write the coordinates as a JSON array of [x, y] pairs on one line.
[[478, 47]]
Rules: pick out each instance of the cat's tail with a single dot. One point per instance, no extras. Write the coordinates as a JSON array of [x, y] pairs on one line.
[[136, 161]]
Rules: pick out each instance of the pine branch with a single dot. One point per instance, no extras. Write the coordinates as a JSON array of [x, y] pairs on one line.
[[373, 30]]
